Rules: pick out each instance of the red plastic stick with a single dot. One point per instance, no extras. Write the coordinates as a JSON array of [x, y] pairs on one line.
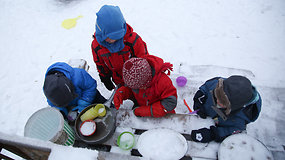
[[187, 105]]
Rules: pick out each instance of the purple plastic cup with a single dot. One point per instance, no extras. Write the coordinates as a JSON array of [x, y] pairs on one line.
[[181, 81]]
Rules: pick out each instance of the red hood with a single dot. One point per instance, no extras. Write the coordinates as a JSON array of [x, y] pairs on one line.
[[129, 30], [159, 66]]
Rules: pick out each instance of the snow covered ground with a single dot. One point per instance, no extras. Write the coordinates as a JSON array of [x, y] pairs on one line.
[[202, 38]]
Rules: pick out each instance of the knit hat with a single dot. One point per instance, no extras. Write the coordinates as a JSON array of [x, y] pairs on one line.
[[234, 92], [59, 89], [137, 73]]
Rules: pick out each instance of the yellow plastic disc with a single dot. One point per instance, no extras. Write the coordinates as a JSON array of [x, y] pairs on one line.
[[70, 23]]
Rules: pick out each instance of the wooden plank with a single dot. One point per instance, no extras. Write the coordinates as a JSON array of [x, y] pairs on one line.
[[26, 151], [111, 156]]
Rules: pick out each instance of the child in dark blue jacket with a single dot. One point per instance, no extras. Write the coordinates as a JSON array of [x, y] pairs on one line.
[[232, 102], [70, 89]]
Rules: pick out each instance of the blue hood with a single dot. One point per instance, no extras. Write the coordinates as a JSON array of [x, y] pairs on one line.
[[110, 23], [61, 67]]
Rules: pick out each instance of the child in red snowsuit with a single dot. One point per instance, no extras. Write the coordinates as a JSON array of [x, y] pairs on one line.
[[114, 43], [148, 85]]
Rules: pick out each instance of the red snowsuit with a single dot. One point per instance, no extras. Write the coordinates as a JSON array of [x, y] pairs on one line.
[[111, 64], [160, 98]]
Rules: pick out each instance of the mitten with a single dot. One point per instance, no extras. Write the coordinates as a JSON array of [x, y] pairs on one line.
[[107, 82], [202, 135], [78, 108], [142, 111], [72, 115], [202, 113], [121, 94], [199, 100], [81, 104]]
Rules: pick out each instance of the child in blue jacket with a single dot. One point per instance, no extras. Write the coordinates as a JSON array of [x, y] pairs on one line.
[[70, 89], [232, 102]]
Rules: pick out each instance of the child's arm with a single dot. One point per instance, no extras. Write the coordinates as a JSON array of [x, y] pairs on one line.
[[88, 86], [103, 70], [168, 102], [137, 46], [222, 132], [199, 99]]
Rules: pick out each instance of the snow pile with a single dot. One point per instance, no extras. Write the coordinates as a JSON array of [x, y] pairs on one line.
[[61, 152], [88, 127], [242, 146], [162, 144], [58, 152]]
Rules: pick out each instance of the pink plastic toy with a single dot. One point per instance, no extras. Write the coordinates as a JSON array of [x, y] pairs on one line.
[[181, 81]]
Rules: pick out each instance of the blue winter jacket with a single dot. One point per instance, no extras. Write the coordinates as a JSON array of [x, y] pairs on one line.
[[85, 86], [236, 122]]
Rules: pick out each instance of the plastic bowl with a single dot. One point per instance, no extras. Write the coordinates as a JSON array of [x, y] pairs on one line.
[[181, 81], [126, 140], [88, 128]]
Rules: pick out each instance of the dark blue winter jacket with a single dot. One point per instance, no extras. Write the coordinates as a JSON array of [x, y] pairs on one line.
[[85, 86], [237, 121]]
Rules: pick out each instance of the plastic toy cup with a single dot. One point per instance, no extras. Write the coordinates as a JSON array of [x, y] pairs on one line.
[[126, 140], [88, 128], [181, 81], [101, 110], [97, 111], [89, 114]]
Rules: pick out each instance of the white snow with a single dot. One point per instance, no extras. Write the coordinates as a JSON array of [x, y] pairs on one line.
[[58, 152], [242, 146], [162, 144], [202, 39], [88, 128], [126, 140], [101, 110]]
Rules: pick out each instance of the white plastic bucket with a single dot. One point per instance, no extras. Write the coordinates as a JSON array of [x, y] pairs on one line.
[[49, 125]]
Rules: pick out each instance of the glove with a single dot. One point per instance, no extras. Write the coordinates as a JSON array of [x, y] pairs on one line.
[[121, 94], [203, 135], [107, 82], [81, 104], [202, 113], [72, 115], [199, 100], [142, 111]]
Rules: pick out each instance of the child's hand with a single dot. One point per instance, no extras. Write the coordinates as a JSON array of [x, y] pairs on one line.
[[202, 135], [83, 103], [201, 113], [142, 111], [118, 100], [107, 82], [72, 115], [121, 94]]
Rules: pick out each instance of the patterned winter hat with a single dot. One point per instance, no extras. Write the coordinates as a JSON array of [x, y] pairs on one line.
[[137, 73]]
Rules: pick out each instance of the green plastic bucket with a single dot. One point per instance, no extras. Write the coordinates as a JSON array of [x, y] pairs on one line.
[[48, 124]]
